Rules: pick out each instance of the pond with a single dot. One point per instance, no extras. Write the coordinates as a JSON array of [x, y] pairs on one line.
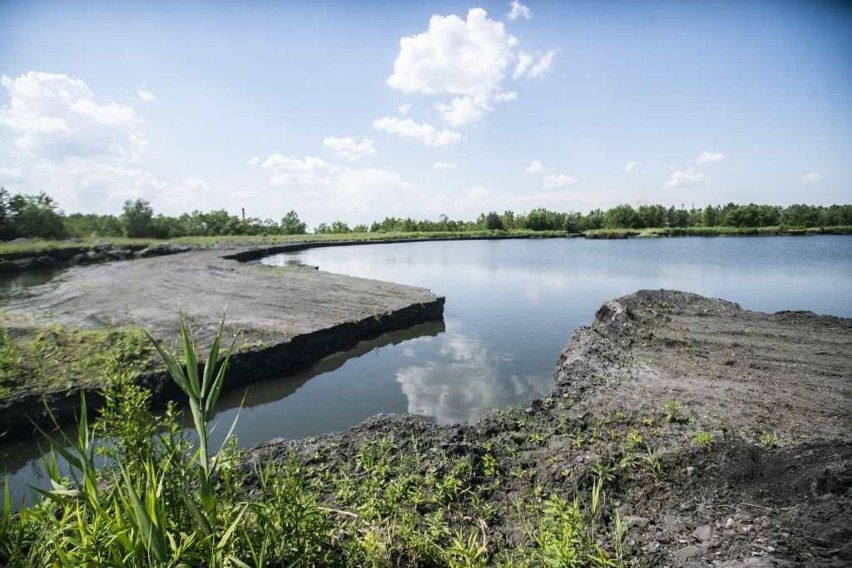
[[511, 305]]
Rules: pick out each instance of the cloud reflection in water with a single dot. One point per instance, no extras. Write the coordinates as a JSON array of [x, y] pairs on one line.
[[464, 381]]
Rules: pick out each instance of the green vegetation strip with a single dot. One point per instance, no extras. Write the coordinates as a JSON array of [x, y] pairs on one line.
[[38, 361], [162, 500]]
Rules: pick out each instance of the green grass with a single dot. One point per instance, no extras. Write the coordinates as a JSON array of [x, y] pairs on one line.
[[703, 439], [164, 499], [43, 246], [56, 357], [40, 246], [713, 232]]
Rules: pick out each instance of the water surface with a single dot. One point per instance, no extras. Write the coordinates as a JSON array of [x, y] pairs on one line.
[[511, 305]]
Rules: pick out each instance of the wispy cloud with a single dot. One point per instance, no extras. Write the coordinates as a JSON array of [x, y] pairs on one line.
[[146, 95], [518, 10], [708, 157], [686, 178]]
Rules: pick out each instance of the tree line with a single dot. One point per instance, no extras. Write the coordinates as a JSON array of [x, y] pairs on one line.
[[38, 216]]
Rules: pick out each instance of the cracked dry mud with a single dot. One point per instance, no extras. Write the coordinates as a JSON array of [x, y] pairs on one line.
[[769, 395]]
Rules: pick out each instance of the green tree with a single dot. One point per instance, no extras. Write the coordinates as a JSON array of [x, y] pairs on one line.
[[493, 222], [137, 216], [291, 225], [34, 216]]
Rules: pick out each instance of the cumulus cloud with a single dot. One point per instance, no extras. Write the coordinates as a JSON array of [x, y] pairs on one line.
[[462, 110], [630, 165], [423, 132], [686, 178], [441, 166], [57, 117], [464, 58], [811, 178], [518, 10], [534, 167], [348, 148], [403, 109], [558, 180], [708, 157], [253, 161], [146, 95]]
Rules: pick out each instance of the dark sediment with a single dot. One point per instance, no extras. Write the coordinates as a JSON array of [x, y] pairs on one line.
[[773, 392]]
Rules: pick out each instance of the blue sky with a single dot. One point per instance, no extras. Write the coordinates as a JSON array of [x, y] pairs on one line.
[[355, 111]]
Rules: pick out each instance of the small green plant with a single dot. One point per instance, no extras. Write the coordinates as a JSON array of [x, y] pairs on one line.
[[703, 438], [655, 466], [672, 411], [769, 440], [489, 465]]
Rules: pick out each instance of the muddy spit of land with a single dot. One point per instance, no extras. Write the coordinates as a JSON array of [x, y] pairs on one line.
[[749, 414]]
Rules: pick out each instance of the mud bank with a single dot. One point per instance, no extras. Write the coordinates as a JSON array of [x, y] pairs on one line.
[[284, 318], [723, 438], [12, 262]]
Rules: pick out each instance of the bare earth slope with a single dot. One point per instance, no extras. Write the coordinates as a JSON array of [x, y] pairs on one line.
[[751, 467]]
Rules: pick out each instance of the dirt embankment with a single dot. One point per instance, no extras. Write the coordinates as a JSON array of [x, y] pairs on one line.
[[724, 436], [283, 317]]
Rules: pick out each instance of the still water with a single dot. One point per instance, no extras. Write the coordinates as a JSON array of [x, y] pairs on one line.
[[510, 307]]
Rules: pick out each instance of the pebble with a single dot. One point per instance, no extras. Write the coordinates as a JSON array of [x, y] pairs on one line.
[[686, 553], [729, 524], [703, 533], [640, 522]]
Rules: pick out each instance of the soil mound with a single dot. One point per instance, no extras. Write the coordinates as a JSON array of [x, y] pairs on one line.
[[722, 436]]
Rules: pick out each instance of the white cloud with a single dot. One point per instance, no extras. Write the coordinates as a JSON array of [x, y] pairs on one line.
[[505, 97], [630, 165], [518, 11], [527, 65], [253, 161], [146, 95], [403, 109], [542, 65], [477, 192], [686, 178], [423, 132], [441, 166], [314, 184], [56, 117], [811, 178], [462, 110], [558, 180], [524, 62], [708, 157], [534, 167], [466, 59], [348, 148], [310, 172]]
